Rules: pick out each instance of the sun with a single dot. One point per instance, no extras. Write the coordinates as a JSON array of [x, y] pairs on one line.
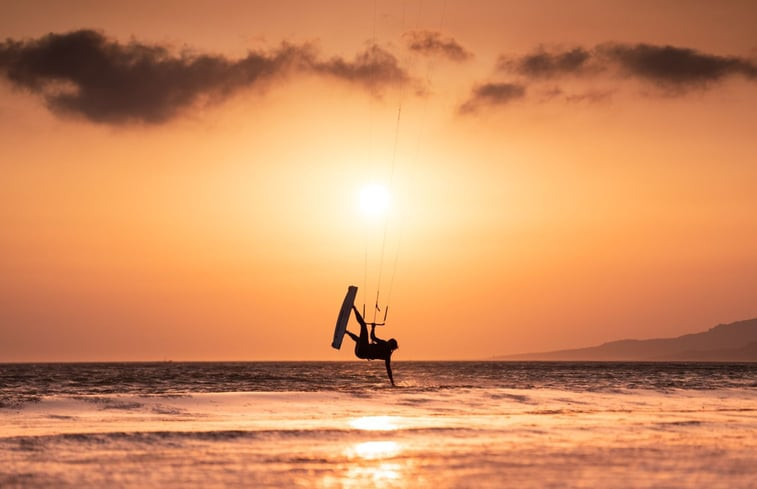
[[374, 200]]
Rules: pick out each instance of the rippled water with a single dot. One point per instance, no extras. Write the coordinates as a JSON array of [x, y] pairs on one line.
[[327, 424], [158, 378]]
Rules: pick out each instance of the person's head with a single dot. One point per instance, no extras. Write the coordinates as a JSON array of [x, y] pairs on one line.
[[392, 344]]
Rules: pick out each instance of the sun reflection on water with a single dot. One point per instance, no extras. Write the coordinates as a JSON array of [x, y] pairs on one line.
[[370, 467], [384, 474], [374, 423], [371, 463], [372, 450]]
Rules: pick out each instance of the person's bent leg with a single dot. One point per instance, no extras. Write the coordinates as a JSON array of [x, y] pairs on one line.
[[364, 334], [363, 326], [361, 343]]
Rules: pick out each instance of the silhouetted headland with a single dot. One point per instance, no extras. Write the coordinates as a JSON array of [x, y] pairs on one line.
[[734, 342]]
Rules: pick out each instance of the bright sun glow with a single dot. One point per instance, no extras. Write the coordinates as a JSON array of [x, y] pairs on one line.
[[374, 200]]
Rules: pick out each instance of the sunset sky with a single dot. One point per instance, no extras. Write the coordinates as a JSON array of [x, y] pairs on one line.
[[180, 180]]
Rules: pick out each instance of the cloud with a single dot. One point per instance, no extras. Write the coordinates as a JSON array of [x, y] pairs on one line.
[[431, 43], [373, 68], [86, 74], [674, 67], [545, 64], [492, 94], [671, 67], [590, 96], [675, 70]]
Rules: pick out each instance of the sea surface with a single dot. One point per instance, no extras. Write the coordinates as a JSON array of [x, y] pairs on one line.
[[341, 425]]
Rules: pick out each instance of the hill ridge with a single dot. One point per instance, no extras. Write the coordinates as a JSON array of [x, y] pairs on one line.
[[736, 341]]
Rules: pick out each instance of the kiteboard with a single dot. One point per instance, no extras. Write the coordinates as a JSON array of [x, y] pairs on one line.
[[344, 317]]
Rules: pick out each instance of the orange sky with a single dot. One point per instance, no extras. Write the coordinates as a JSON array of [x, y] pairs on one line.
[[587, 202]]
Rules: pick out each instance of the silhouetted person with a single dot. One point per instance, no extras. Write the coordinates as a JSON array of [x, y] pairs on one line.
[[376, 348]]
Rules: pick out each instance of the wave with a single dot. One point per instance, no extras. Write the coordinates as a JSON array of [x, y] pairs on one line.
[[152, 438]]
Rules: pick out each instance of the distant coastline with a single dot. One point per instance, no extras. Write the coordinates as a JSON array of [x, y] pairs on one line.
[[733, 342]]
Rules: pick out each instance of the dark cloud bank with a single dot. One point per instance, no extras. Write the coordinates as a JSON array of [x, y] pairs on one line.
[[673, 70], [86, 74]]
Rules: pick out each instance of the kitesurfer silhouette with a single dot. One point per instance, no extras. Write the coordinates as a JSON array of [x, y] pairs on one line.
[[376, 348]]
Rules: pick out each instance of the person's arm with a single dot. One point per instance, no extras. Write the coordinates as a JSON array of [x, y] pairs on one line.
[[373, 334], [389, 369], [358, 316]]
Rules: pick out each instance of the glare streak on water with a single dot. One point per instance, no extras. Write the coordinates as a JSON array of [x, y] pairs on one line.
[[329, 425]]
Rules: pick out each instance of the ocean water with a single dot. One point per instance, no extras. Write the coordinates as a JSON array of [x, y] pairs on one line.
[[341, 425]]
